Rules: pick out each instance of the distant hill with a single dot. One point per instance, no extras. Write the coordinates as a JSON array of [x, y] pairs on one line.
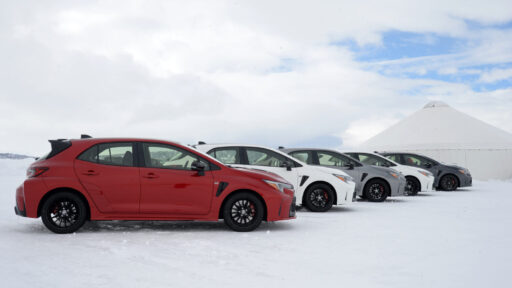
[[14, 156]]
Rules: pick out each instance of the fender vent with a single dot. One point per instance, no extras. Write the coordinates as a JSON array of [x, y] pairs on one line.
[[363, 176], [222, 187], [303, 180]]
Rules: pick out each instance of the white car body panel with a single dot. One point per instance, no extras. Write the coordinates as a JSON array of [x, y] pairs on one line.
[[344, 191]]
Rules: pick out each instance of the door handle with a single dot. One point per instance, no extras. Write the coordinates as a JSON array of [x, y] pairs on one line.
[[151, 176], [90, 173]]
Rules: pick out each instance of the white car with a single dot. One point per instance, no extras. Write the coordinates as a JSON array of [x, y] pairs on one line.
[[317, 188], [417, 179]]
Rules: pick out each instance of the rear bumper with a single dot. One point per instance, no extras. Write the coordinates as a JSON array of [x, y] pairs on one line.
[[19, 212]]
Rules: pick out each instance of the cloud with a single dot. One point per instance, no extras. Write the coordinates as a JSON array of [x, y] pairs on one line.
[[230, 71], [496, 75]]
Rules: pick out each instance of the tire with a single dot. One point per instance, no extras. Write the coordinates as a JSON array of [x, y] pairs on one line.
[[243, 212], [413, 186], [319, 198], [449, 183], [376, 190], [64, 212]]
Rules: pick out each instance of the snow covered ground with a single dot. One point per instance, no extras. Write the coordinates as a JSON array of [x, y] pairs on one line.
[[439, 239]]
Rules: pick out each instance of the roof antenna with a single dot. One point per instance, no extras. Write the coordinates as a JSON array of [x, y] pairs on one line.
[[85, 136], [201, 143], [280, 147]]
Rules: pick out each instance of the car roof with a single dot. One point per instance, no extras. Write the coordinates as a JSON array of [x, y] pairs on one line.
[[124, 139]]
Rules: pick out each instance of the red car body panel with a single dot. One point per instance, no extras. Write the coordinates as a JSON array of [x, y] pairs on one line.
[[143, 193]]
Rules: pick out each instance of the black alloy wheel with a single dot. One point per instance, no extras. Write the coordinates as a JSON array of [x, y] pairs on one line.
[[319, 198], [243, 212], [412, 186], [376, 190], [64, 212], [449, 183]]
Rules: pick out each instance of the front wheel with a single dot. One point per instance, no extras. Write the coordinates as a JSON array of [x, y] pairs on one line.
[[243, 212], [376, 190], [449, 183], [63, 212], [412, 186], [319, 198]]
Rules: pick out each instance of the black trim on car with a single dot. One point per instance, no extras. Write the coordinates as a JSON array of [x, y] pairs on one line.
[[303, 180], [363, 176], [221, 188]]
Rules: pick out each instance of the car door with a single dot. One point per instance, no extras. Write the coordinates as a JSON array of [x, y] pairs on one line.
[[168, 183], [109, 174], [268, 160]]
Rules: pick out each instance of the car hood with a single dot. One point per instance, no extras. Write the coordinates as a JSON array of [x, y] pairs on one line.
[[328, 170], [260, 174]]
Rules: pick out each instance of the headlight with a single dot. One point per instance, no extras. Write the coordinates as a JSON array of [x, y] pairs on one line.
[[393, 174], [344, 178], [462, 171], [426, 173], [278, 185]]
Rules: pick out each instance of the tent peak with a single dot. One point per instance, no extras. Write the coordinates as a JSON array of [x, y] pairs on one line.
[[435, 104]]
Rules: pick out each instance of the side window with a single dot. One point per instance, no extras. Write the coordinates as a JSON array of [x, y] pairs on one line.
[[415, 160], [263, 157], [394, 157], [329, 159], [374, 160], [117, 154], [229, 155], [168, 157], [304, 156]]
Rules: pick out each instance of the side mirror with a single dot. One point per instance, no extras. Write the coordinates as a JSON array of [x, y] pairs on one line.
[[350, 166], [288, 165], [199, 167]]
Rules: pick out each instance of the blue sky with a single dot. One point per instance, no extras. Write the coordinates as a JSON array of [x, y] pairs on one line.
[[398, 45]]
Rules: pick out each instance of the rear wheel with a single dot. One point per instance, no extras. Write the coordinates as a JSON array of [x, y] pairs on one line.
[[319, 198], [243, 212], [449, 183], [412, 187], [64, 212], [376, 190]]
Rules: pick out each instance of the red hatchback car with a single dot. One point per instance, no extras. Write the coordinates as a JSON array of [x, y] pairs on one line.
[[141, 179]]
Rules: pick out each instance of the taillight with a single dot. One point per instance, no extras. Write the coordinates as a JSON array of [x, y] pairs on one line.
[[36, 171]]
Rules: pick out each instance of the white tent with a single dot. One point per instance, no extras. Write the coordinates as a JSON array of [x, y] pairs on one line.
[[452, 137]]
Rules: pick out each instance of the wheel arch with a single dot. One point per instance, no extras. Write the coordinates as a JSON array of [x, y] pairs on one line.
[[377, 178], [64, 189], [232, 193], [321, 182]]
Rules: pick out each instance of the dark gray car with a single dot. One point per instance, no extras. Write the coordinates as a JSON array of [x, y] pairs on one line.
[[447, 177], [372, 183]]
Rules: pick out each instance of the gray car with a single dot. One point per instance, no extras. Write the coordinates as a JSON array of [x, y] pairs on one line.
[[448, 177], [372, 183]]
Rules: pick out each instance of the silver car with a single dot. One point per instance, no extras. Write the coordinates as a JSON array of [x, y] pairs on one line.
[[372, 183]]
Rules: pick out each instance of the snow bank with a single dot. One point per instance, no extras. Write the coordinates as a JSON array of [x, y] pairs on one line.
[[439, 239]]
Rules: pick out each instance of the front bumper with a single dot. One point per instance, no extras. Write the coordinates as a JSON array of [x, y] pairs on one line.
[[429, 185], [466, 180]]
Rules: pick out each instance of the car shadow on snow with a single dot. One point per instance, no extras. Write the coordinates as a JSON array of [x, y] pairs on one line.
[[121, 226]]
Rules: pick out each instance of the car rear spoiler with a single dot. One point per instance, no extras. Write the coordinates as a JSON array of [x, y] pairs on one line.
[[58, 146]]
